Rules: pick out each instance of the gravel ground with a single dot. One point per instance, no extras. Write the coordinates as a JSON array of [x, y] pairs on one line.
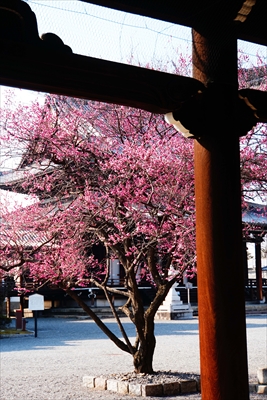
[[51, 366]]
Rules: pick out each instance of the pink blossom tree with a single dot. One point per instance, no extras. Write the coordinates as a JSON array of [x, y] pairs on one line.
[[106, 175], [113, 176], [253, 146]]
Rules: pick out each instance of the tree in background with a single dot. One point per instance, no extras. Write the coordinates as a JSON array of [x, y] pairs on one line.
[[105, 175], [253, 146]]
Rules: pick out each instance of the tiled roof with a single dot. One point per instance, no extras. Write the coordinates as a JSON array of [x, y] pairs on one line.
[[255, 214], [23, 237]]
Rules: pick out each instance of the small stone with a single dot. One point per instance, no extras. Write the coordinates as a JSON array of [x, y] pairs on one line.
[[262, 389], [100, 383], [262, 376], [135, 389], [152, 390], [188, 386], [89, 381], [171, 388], [112, 385], [123, 387]]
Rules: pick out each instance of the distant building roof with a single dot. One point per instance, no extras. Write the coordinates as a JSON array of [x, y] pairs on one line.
[[22, 237], [255, 214]]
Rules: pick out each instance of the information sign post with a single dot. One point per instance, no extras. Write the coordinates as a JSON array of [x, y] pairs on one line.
[[189, 286], [36, 303]]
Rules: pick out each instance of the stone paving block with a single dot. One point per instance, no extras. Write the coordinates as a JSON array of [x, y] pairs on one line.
[[262, 389], [171, 388], [112, 385], [135, 389], [100, 383], [152, 390], [123, 387], [188, 386], [162, 389], [89, 381], [262, 376]]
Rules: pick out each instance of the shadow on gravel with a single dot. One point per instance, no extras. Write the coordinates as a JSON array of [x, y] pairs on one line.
[[53, 332], [261, 321], [257, 325]]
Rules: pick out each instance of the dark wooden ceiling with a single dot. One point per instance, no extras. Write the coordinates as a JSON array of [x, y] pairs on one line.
[[202, 13]]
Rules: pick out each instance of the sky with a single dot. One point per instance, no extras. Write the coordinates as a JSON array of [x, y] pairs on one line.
[[105, 33], [115, 35]]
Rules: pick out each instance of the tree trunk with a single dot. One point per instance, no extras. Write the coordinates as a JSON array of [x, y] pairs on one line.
[[143, 357], [145, 327]]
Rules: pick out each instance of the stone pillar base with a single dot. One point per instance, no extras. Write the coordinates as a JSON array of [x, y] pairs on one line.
[[181, 314]]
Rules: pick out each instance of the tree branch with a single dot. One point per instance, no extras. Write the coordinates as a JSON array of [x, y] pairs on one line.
[[98, 321]]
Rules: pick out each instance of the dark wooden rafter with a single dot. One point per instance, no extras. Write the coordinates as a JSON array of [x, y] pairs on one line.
[[47, 64], [84, 77], [256, 101]]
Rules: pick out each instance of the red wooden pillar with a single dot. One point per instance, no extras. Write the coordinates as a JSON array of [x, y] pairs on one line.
[[221, 305]]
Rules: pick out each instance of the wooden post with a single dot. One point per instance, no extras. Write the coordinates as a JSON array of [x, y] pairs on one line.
[[8, 307], [258, 269], [21, 304], [221, 305], [245, 262]]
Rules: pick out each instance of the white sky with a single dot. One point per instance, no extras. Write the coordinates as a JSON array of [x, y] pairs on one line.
[[109, 34], [115, 35]]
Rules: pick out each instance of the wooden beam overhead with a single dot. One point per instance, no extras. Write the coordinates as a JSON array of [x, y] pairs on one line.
[[47, 64], [30, 67]]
